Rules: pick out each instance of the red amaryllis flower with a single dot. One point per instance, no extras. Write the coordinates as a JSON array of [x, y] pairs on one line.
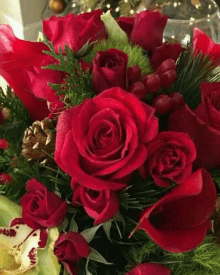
[[99, 205], [16, 57], [148, 29], [74, 30], [178, 222], [202, 125], [69, 249], [149, 269], [202, 43], [103, 140]]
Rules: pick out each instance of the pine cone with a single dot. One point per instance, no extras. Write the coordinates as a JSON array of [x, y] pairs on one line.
[[39, 141]]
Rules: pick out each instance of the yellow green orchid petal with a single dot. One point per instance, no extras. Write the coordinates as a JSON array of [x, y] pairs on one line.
[[21, 242], [8, 211], [47, 261]]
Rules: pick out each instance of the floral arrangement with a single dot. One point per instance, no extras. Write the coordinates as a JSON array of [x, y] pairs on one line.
[[110, 149]]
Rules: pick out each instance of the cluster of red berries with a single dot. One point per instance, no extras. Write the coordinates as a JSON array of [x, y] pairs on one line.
[[162, 77]]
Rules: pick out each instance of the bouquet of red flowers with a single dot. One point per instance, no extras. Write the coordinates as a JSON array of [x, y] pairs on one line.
[[110, 149]]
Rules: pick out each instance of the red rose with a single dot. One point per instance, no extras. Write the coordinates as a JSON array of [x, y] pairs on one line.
[[74, 30], [202, 125], [149, 269], [165, 51], [41, 208], [103, 140], [100, 205], [202, 43], [148, 29], [17, 57], [109, 70], [69, 249], [170, 157], [178, 222], [126, 23]]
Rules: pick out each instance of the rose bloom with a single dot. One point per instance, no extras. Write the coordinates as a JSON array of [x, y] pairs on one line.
[[149, 269], [69, 249], [178, 222], [103, 140], [100, 205], [109, 70], [41, 208], [147, 30], [202, 125], [170, 158], [74, 30]]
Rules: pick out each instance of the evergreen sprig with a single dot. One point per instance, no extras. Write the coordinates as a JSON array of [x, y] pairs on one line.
[[192, 69], [77, 84]]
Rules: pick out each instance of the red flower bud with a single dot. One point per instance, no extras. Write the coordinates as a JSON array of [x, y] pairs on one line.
[[177, 100], [138, 89], [3, 143], [168, 78], [152, 83], [166, 65], [162, 104], [134, 73], [5, 178]]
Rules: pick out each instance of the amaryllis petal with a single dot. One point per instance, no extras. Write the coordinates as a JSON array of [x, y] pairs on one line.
[[149, 269], [202, 43], [16, 56], [182, 214]]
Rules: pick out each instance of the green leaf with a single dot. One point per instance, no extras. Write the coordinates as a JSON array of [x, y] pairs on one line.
[[96, 256], [89, 234], [73, 225], [107, 228]]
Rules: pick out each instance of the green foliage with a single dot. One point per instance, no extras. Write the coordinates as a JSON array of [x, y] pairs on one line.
[[77, 85], [136, 56], [191, 71], [215, 173]]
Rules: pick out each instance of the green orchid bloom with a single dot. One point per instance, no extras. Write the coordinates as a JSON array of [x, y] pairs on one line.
[[24, 250]]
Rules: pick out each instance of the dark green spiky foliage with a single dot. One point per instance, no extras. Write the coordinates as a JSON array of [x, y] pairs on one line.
[[77, 85], [193, 69]]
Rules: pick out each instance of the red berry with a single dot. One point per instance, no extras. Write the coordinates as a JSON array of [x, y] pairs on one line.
[[152, 83], [3, 143], [134, 73], [168, 78], [162, 104], [5, 178], [166, 65], [177, 100], [138, 89]]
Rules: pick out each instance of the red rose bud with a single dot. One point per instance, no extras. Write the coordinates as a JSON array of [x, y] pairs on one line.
[[138, 89], [152, 83], [3, 143], [69, 249], [5, 178], [134, 73], [162, 104], [177, 100], [41, 208]]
